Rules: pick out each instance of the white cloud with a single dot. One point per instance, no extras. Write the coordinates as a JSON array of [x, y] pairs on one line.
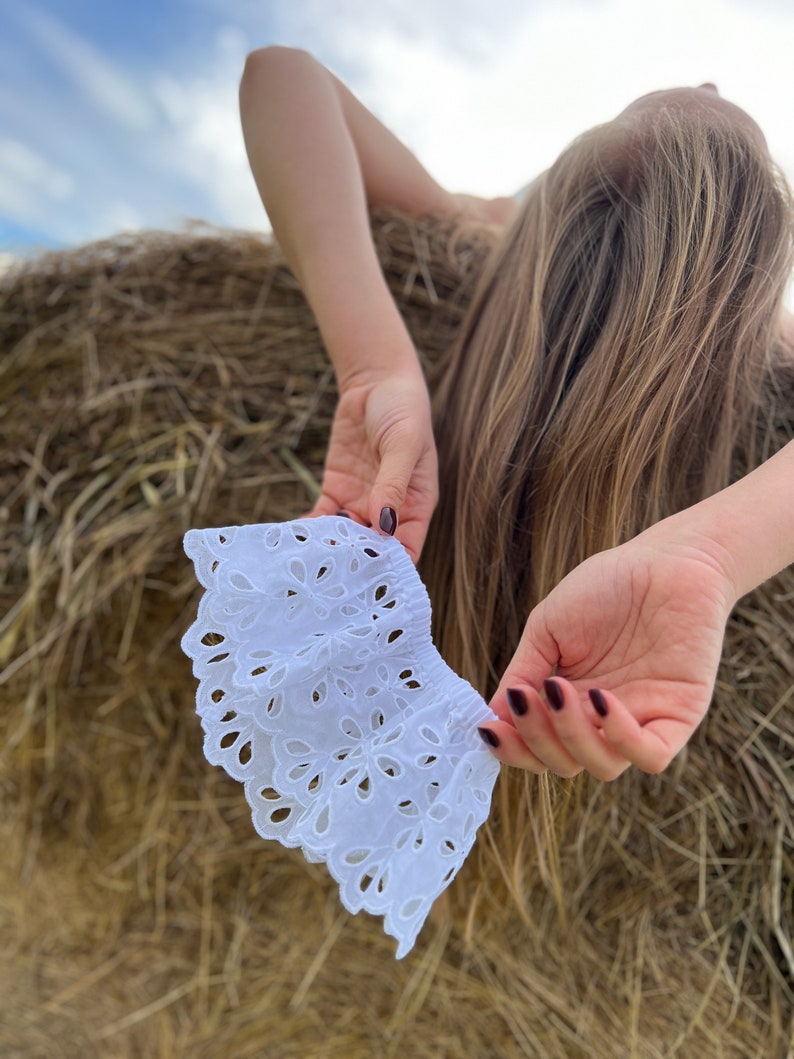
[[104, 85], [485, 94], [118, 215], [466, 27], [128, 158], [20, 163], [29, 182], [489, 122], [204, 128], [488, 118]]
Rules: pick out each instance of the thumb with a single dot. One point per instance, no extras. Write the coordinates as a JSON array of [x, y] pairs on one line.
[[398, 460]]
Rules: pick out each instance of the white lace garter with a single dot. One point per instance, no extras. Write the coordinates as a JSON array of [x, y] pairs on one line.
[[321, 691]]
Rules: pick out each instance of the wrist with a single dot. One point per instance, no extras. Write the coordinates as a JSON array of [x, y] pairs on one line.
[[745, 531], [695, 533], [752, 522], [369, 346], [392, 378]]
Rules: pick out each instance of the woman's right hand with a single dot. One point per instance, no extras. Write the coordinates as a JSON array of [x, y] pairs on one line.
[[321, 160], [381, 467]]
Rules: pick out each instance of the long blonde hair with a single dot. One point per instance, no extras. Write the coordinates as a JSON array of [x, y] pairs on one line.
[[611, 360]]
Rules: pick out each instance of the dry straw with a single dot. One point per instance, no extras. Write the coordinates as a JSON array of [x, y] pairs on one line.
[[160, 382]]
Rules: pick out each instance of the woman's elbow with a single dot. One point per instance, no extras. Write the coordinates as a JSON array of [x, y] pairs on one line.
[[275, 62]]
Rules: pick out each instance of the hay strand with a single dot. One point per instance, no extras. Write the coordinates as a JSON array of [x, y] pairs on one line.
[[157, 382]]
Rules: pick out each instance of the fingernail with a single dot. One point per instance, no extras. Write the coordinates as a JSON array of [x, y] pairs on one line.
[[344, 514], [488, 737], [598, 701], [553, 694], [388, 520], [517, 701]]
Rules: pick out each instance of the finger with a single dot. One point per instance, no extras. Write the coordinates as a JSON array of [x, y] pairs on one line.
[[323, 505], [650, 746], [534, 660], [559, 732], [530, 716], [506, 744], [410, 532], [398, 462], [327, 505], [405, 488], [563, 729]]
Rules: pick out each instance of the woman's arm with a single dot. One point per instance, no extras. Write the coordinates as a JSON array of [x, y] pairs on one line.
[[320, 159], [750, 524], [626, 647]]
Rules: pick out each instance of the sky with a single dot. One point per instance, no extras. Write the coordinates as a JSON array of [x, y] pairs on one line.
[[122, 116]]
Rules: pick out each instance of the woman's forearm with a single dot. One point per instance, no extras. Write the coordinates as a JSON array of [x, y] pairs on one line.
[[747, 528], [320, 159]]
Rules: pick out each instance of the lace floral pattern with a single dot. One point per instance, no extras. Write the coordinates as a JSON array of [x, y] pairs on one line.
[[321, 691]]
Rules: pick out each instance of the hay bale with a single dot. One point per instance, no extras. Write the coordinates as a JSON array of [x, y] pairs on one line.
[[160, 382]]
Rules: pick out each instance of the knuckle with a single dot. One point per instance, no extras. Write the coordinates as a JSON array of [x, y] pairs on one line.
[[530, 763], [567, 772], [655, 765], [609, 775]]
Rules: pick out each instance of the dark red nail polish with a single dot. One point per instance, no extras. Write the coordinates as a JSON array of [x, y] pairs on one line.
[[553, 694], [488, 737], [388, 520], [598, 701], [517, 701]]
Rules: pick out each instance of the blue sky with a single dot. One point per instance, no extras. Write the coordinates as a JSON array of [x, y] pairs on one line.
[[116, 116]]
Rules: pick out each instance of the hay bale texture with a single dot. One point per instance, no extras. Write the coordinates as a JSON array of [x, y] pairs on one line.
[[160, 382]]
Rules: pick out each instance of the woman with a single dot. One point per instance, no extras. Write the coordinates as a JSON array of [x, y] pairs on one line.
[[610, 364]]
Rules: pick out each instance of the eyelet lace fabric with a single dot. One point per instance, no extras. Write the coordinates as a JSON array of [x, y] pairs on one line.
[[320, 690]]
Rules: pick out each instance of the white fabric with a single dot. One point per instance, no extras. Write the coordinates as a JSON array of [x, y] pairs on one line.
[[321, 691]]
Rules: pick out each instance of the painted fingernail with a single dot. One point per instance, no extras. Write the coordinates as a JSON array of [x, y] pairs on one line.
[[344, 514], [388, 520], [488, 737], [553, 694], [517, 701], [598, 701]]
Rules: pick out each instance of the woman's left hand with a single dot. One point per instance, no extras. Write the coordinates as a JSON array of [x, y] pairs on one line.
[[617, 664]]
